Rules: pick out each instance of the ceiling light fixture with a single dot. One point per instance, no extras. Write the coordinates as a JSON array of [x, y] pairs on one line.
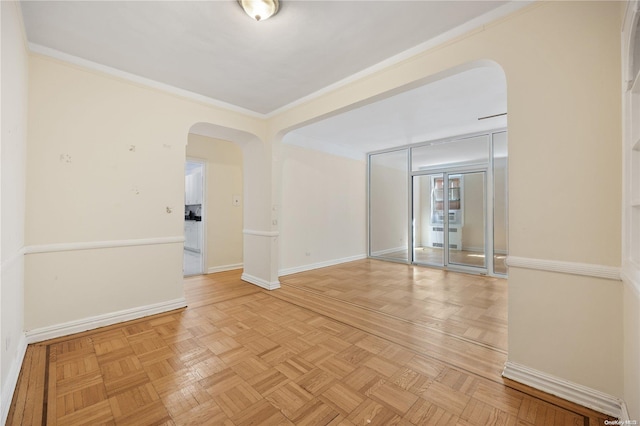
[[260, 9]]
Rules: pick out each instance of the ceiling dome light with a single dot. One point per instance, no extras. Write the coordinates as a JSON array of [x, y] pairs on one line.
[[260, 9]]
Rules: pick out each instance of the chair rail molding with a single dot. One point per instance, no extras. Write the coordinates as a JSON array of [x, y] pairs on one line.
[[573, 268], [260, 233], [91, 245]]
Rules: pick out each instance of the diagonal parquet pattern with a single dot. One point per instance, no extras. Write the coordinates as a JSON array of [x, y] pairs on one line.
[[239, 355]]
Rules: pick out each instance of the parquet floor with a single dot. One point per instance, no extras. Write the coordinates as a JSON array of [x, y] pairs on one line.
[[239, 355]]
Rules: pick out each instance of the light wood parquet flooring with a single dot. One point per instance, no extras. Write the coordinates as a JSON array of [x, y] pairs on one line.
[[239, 355], [467, 306]]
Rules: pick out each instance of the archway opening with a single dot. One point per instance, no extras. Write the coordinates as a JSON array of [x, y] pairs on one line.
[[229, 199], [329, 208]]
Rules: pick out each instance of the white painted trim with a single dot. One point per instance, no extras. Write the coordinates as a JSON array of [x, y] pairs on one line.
[[624, 415], [223, 268], [94, 66], [582, 395], [630, 275], [260, 282], [574, 268], [8, 262], [387, 251], [260, 233], [467, 27], [475, 24], [11, 382], [90, 245], [90, 323], [303, 268]]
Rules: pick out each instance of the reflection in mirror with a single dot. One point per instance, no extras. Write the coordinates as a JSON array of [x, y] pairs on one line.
[[388, 206], [450, 154]]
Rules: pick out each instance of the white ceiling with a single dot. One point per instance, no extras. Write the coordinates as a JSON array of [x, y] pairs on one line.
[[447, 107], [213, 49]]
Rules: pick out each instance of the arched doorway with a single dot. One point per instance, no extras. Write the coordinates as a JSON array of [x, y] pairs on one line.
[[246, 200]]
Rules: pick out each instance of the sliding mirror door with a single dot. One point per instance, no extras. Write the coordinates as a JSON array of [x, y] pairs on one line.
[[449, 203], [388, 205], [442, 204], [467, 220], [428, 220]]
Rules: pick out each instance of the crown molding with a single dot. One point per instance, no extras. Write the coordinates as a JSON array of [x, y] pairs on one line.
[[143, 81]]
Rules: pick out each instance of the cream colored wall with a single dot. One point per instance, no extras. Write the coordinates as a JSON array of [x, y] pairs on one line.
[[13, 123], [389, 210], [323, 211], [223, 220], [589, 314], [631, 330], [500, 207], [562, 63], [105, 163]]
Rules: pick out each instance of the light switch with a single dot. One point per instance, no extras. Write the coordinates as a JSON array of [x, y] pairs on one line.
[[236, 200]]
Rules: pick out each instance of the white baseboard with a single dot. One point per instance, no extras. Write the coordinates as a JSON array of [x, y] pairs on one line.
[[303, 268], [260, 282], [565, 389], [224, 268], [9, 387], [388, 251], [624, 416], [77, 326]]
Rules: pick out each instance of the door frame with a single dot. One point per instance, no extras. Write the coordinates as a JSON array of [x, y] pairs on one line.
[[203, 214]]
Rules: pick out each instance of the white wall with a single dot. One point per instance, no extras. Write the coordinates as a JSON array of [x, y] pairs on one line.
[[323, 212], [13, 122], [223, 220]]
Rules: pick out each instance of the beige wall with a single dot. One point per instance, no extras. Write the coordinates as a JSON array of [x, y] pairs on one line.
[[501, 205], [223, 222], [105, 159], [323, 209], [105, 165], [562, 64], [389, 205], [13, 87]]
